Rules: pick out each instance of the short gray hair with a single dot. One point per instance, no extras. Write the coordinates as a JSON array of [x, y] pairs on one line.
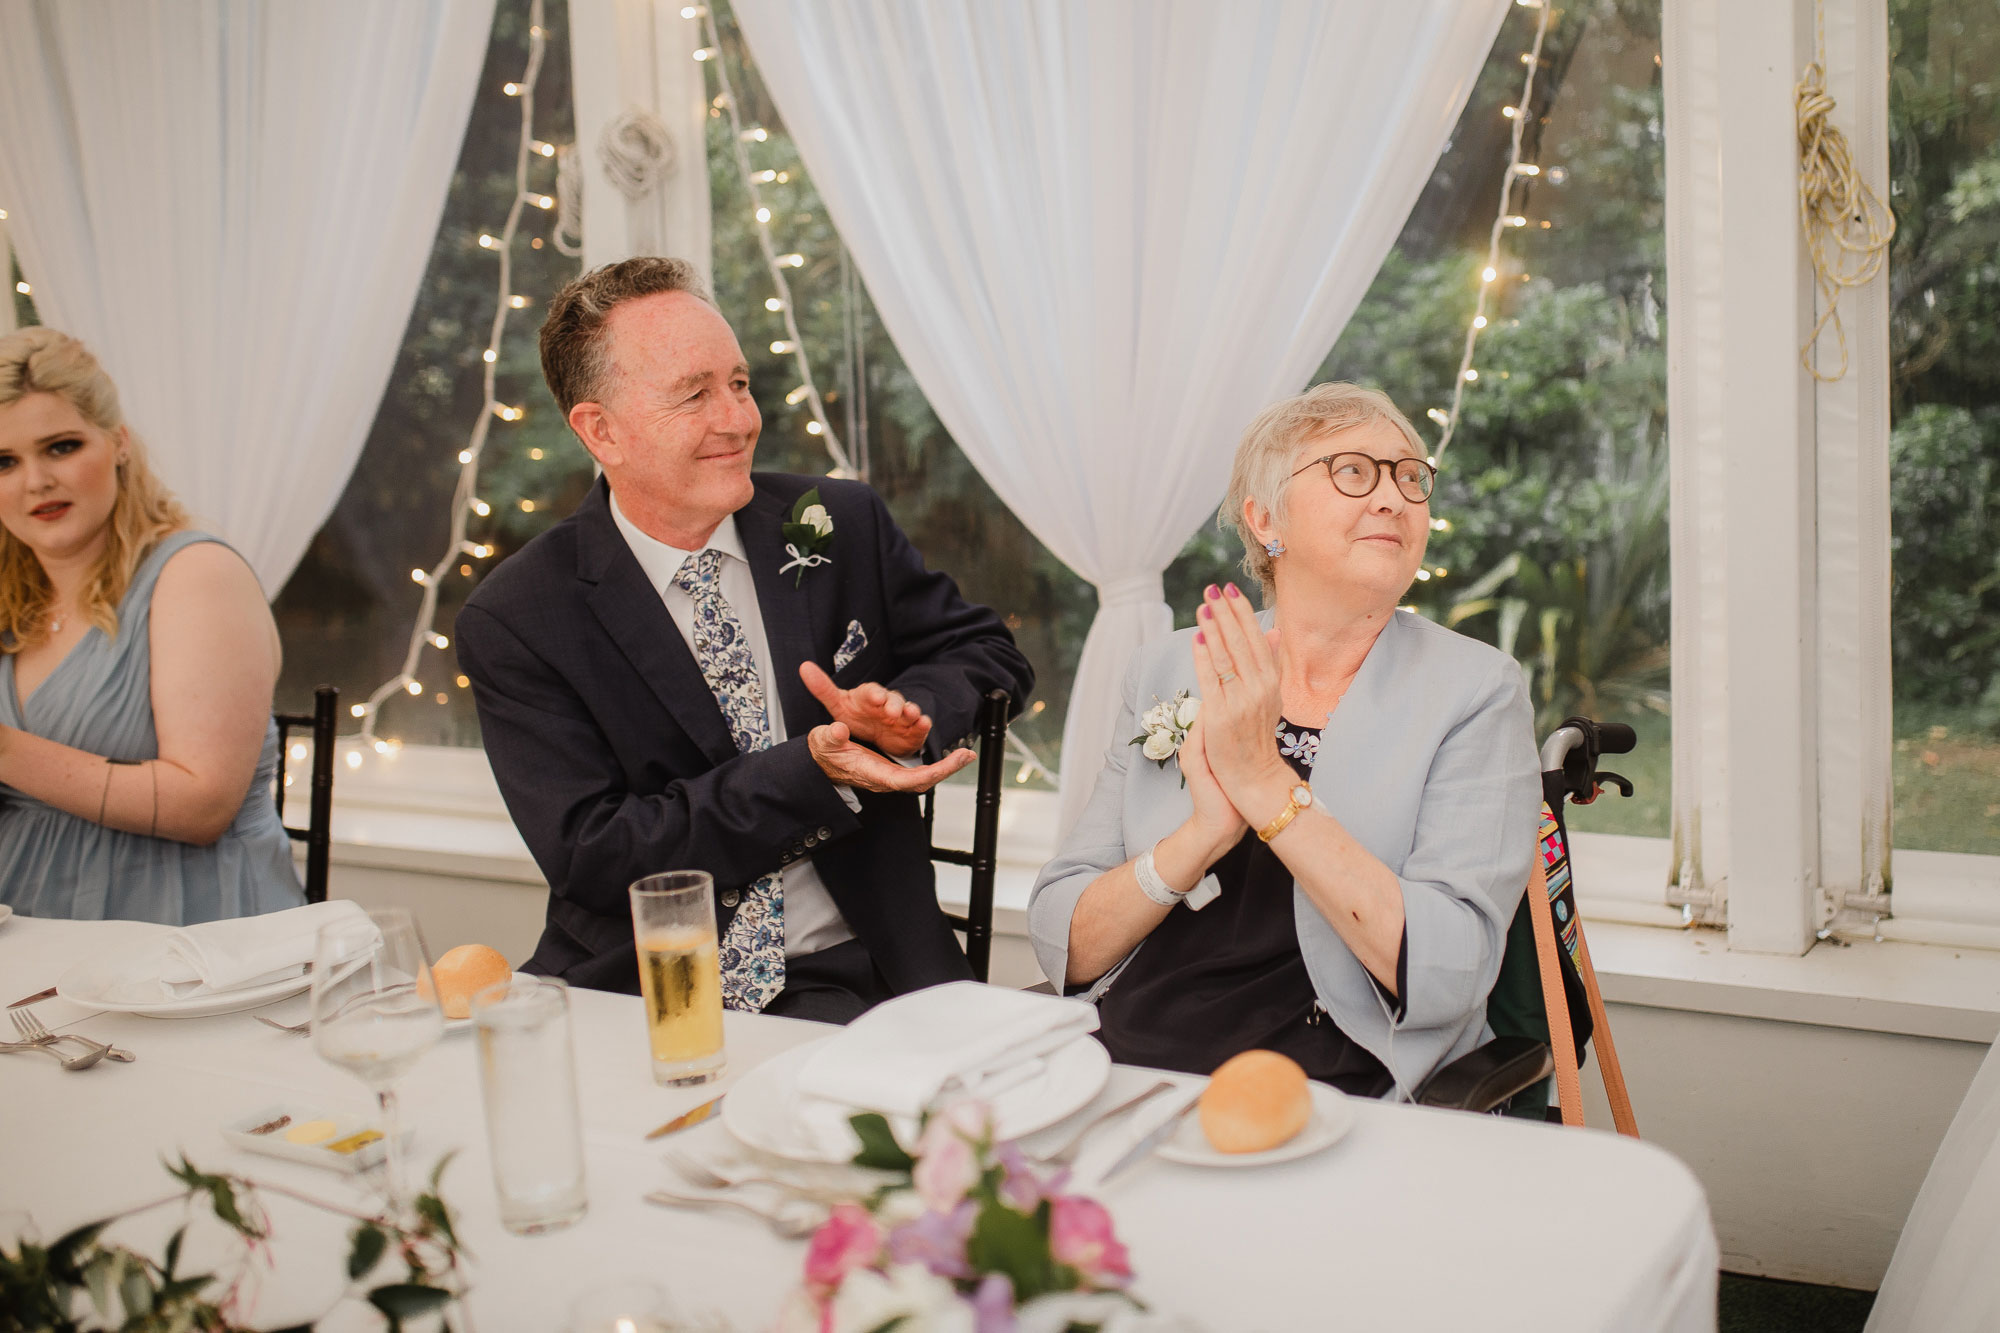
[[1264, 456], [574, 357]]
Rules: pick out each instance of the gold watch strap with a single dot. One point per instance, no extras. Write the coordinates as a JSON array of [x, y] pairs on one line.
[[1285, 817]]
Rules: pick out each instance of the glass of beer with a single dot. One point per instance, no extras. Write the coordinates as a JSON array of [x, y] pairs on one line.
[[673, 923]]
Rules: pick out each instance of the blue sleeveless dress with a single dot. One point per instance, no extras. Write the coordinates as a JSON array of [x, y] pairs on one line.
[[99, 699]]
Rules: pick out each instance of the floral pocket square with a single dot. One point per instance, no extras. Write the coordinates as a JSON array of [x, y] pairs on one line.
[[851, 646]]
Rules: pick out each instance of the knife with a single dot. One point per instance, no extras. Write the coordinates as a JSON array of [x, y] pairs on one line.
[[48, 994], [1154, 1138], [688, 1119]]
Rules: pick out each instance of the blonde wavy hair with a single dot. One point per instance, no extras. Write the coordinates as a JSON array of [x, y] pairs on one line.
[[1263, 467], [43, 360]]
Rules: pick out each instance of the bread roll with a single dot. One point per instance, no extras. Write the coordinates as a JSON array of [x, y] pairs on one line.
[[465, 971], [1256, 1100]]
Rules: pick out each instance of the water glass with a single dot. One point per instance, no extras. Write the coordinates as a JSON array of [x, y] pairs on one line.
[[621, 1307], [527, 1074], [673, 924]]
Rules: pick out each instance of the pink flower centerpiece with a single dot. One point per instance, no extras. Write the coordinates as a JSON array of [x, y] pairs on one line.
[[970, 1239]]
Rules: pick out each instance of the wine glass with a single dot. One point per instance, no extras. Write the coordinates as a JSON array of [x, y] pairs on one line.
[[375, 1011]]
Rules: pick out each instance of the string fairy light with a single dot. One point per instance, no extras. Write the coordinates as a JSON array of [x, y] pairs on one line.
[[791, 344], [1505, 219], [465, 499]]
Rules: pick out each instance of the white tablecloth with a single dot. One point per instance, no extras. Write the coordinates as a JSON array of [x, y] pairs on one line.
[[1418, 1219]]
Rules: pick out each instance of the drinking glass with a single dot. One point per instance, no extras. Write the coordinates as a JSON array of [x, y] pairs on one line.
[[673, 923], [527, 1073], [376, 1017], [629, 1306]]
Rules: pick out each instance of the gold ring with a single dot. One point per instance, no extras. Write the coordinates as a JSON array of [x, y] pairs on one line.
[[1226, 677]]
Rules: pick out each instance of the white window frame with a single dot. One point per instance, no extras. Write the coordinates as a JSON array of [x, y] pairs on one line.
[[1782, 695]]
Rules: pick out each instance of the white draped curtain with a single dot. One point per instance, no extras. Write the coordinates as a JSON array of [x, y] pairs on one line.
[[233, 202], [1103, 235]]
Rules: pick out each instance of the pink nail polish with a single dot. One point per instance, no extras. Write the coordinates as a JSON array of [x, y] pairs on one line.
[[1212, 591], [1201, 638], [1233, 592], [1203, 613]]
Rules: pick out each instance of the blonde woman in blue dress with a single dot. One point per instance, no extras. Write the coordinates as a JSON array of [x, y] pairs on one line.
[[137, 661]]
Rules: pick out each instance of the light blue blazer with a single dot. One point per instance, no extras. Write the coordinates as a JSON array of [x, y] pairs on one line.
[[1429, 762]]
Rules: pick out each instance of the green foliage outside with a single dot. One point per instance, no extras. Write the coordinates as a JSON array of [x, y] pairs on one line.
[[1944, 349]]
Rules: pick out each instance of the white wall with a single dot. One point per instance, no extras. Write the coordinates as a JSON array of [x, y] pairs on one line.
[[1810, 1140]]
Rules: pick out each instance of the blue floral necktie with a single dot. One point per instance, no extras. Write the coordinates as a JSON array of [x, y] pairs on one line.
[[752, 952]]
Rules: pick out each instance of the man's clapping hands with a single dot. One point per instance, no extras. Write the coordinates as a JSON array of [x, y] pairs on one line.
[[872, 715]]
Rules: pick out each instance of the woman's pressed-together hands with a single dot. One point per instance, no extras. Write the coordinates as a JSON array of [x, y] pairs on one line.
[[1240, 681]]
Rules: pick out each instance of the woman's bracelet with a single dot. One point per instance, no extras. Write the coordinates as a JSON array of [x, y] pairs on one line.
[[104, 797], [1150, 882]]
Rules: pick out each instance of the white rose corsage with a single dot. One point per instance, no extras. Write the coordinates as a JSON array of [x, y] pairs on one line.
[[1166, 728], [807, 535]]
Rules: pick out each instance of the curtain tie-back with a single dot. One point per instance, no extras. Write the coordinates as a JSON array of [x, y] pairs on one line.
[[1134, 590]]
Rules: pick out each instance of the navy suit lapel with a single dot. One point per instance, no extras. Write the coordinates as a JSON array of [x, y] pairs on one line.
[[786, 603], [637, 621]]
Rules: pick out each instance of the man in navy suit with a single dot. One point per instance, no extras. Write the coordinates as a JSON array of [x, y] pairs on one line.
[[663, 685]]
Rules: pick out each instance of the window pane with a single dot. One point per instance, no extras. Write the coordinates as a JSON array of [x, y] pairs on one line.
[[1554, 492], [347, 612], [1944, 449]]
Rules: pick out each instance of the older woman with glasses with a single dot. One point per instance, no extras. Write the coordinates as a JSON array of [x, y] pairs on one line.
[[1327, 863]]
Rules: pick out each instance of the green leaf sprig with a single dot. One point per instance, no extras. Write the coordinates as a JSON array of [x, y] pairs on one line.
[[57, 1288]]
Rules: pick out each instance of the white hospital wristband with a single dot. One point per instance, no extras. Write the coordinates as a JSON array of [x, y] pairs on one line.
[[1150, 882]]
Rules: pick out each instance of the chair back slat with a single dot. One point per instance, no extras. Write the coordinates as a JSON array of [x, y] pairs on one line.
[[984, 857], [317, 835]]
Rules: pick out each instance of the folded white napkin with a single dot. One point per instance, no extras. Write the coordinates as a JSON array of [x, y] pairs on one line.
[[247, 951], [962, 1039]]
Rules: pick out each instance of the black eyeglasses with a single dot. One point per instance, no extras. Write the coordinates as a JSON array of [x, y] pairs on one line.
[[1358, 474]]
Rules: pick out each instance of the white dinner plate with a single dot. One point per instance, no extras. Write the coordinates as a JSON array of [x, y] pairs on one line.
[[762, 1110], [127, 981], [1332, 1116]]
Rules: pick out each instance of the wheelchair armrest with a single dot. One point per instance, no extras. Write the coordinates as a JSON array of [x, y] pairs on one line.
[[1483, 1079]]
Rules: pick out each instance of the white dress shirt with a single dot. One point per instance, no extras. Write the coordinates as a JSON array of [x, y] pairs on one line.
[[812, 922]]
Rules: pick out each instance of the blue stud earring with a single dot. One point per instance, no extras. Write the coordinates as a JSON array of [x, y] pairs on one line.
[[1274, 548]]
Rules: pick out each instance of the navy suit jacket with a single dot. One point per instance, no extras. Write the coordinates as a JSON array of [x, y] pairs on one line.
[[616, 763]]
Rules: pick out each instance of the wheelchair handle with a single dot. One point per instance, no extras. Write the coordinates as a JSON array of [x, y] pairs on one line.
[[1570, 754], [1557, 747], [1615, 738]]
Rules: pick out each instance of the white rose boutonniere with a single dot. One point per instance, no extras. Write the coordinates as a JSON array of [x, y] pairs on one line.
[[807, 534], [1165, 728]]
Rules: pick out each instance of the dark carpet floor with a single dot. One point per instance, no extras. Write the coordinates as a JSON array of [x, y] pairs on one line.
[[1765, 1305]]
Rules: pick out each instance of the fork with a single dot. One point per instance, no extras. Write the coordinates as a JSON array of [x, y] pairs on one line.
[[34, 1034], [709, 1175], [30, 1026], [296, 1029], [793, 1222], [1066, 1154]]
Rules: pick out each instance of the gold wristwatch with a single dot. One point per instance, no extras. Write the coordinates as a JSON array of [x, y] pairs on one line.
[[1301, 797]]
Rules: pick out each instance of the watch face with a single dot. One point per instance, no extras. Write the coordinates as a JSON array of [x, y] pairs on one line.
[[1302, 795]]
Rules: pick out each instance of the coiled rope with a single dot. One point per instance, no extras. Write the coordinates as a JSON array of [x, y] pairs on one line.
[[1847, 226]]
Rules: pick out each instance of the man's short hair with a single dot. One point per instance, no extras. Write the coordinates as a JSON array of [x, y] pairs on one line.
[[574, 358]]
